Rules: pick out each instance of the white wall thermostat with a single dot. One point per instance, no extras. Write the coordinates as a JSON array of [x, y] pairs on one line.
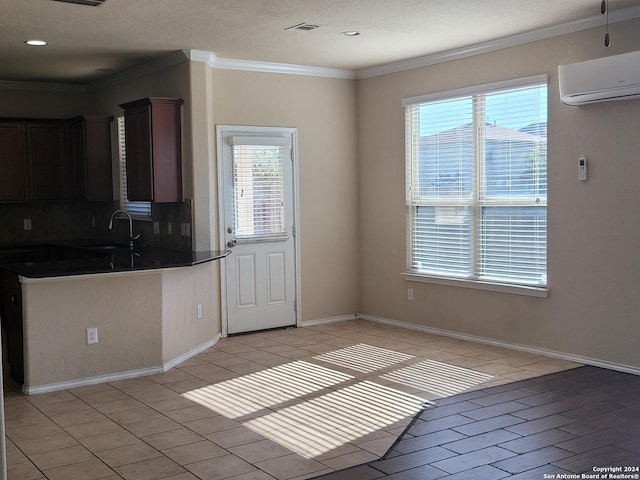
[[582, 169]]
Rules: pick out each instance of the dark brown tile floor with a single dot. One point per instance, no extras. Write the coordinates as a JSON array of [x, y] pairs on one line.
[[563, 423]]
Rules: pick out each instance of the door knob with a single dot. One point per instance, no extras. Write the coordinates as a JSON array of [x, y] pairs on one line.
[[231, 243]]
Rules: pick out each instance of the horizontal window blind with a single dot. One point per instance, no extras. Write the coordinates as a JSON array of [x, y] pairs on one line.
[[513, 244], [477, 184], [258, 190], [135, 209]]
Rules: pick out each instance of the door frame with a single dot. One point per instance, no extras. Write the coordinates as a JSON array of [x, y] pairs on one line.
[[222, 130]]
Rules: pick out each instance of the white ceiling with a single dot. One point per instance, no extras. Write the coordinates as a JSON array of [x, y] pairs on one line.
[[121, 34]]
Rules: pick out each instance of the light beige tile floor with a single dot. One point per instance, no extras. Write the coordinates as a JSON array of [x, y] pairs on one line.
[[283, 404]]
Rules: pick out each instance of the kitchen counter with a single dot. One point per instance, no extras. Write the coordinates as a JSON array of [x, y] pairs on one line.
[[71, 259], [150, 315]]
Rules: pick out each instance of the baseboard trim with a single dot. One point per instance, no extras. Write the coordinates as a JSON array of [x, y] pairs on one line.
[[83, 382], [112, 377], [328, 320], [191, 353], [513, 346]]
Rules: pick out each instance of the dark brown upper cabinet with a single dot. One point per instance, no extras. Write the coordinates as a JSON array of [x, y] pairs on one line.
[[33, 160], [12, 153], [90, 142], [153, 149], [46, 154]]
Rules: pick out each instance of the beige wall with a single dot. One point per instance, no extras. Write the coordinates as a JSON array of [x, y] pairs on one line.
[[126, 309], [182, 290], [593, 227], [200, 148], [324, 112]]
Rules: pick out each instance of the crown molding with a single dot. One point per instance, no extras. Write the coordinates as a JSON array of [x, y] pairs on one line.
[[284, 68], [201, 56], [267, 67], [622, 15]]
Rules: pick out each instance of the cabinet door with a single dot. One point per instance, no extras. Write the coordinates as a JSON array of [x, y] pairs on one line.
[[91, 147], [77, 144], [45, 152], [167, 151], [137, 131], [98, 159], [12, 180]]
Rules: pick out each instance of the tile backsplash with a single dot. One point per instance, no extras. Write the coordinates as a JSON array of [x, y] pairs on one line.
[[63, 221]]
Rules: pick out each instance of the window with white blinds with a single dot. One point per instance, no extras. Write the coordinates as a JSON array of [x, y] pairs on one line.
[[476, 163], [258, 190], [140, 210]]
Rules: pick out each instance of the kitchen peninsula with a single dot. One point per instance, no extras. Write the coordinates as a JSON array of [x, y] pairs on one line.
[[151, 307]]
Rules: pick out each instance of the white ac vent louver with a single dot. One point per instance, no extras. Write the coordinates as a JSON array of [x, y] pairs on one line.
[[90, 3]]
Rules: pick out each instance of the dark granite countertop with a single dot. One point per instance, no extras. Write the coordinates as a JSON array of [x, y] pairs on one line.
[[71, 258]]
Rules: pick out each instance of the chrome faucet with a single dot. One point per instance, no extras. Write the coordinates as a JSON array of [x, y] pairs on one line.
[[131, 236]]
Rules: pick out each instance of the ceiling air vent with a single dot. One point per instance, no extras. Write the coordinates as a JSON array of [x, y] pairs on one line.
[[91, 3], [303, 27]]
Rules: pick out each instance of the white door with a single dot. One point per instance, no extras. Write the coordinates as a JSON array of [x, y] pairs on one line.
[[258, 224]]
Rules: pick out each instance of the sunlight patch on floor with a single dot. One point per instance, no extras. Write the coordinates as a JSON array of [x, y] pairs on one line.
[[317, 426], [438, 378], [264, 389], [364, 358]]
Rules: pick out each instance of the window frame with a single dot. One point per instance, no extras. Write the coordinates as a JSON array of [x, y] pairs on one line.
[[476, 203], [246, 146]]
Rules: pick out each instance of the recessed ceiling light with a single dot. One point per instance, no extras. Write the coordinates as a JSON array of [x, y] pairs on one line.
[[350, 33], [36, 43]]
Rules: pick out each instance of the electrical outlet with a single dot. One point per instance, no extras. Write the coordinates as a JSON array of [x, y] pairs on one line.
[[410, 294], [199, 310], [27, 224], [156, 228], [92, 336], [169, 228], [93, 222]]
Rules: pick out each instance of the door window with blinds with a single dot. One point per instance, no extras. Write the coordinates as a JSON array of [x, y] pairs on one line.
[[139, 210], [258, 188], [476, 163]]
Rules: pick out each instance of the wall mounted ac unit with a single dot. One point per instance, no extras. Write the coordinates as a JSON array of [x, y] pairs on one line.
[[601, 80]]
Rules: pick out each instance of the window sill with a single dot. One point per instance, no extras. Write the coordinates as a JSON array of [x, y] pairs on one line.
[[530, 291]]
